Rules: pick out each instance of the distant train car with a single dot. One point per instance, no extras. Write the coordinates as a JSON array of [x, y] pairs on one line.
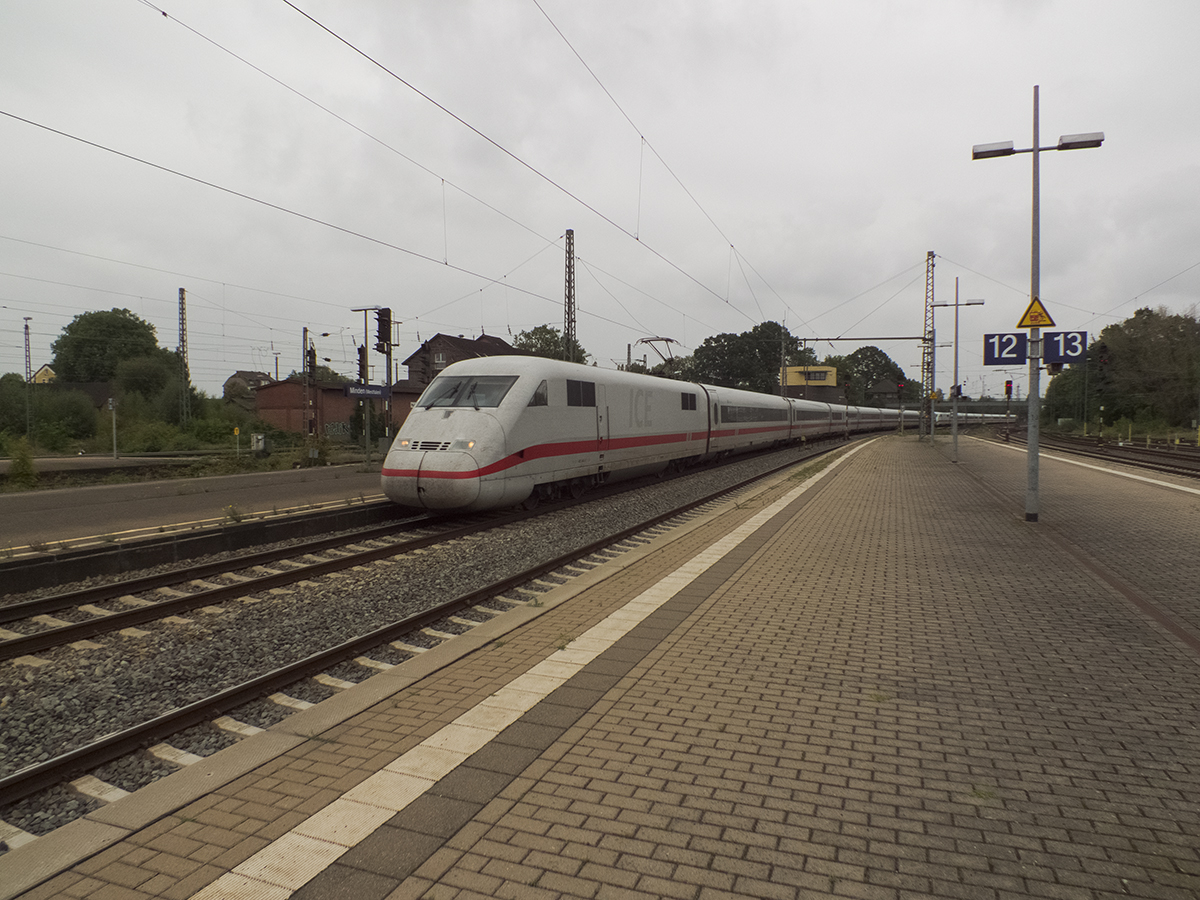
[[503, 430]]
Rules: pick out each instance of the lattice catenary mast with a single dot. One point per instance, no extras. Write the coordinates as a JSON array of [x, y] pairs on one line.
[[185, 396], [569, 342], [927, 351]]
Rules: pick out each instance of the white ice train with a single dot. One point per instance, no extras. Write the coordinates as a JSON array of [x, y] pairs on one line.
[[502, 430]]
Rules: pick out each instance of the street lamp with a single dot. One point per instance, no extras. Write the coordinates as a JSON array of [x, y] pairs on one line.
[[954, 390], [1005, 148]]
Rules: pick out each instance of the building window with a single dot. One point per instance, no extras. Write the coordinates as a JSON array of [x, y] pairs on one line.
[[439, 359]]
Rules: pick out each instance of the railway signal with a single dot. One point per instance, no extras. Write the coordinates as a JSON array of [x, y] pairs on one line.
[[383, 337], [362, 365]]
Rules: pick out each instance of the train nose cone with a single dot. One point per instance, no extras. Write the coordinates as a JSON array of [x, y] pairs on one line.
[[440, 457], [447, 480], [431, 479]]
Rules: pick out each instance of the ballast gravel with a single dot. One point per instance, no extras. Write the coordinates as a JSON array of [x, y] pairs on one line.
[[79, 695]]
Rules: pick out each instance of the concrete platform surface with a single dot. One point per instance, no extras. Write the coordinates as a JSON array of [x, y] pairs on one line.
[[123, 511], [875, 682]]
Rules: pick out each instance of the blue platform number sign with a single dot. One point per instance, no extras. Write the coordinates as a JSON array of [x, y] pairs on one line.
[[1005, 349], [1064, 346]]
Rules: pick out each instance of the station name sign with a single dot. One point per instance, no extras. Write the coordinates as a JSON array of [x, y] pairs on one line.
[[1013, 349], [365, 390]]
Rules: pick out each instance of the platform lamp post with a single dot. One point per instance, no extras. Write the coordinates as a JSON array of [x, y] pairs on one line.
[[954, 390], [1005, 148]]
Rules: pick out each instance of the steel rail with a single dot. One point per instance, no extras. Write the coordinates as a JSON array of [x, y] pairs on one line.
[[30, 780], [1119, 455], [98, 594], [78, 631]]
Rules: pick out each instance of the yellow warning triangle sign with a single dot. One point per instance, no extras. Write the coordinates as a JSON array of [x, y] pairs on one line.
[[1036, 316]]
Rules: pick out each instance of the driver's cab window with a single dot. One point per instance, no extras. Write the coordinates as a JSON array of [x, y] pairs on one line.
[[541, 397]]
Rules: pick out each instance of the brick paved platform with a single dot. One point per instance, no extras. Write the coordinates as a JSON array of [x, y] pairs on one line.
[[879, 683]]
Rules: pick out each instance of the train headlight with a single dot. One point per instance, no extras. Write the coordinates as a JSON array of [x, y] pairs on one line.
[[404, 444], [463, 445]]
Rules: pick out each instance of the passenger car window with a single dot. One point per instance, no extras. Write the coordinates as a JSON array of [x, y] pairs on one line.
[[581, 393], [478, 391]]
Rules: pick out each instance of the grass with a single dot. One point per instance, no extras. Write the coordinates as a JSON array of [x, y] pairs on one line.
[[813, 468]]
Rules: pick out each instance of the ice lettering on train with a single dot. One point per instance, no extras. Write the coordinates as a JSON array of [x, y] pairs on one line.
[[639, 408]]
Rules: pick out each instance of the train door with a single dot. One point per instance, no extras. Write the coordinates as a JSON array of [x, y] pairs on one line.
[[710, 407], [603, 430]]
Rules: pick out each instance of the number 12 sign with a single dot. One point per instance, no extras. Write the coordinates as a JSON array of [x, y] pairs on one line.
[[1005, 349]]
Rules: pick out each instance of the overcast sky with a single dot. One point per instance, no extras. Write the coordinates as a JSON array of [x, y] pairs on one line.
[[721, 163]]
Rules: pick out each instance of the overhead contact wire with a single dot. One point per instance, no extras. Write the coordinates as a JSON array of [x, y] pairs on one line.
[[275, 206], [533, 169]]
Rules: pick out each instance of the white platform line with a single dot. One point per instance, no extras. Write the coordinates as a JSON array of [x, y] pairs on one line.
[[1042, 454], [297, 857]]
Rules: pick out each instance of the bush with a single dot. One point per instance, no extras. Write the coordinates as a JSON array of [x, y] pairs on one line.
[[147, 437], [21, 472]]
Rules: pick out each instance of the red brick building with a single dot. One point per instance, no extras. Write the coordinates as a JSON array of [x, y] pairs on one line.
[[282, 404]]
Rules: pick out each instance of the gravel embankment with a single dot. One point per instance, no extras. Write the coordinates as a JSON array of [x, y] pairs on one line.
[[80, 695]]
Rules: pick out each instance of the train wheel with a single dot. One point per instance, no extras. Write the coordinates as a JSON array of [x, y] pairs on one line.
[[531, 502], [577, 488]]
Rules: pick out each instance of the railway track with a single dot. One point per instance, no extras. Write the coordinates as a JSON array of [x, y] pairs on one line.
[[63, 768], [1176, 460], [154, 597]]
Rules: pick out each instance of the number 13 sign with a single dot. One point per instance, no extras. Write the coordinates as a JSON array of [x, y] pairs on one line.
[[1064, 346], [1012, 349]]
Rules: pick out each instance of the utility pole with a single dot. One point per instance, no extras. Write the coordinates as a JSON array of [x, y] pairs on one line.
[[928, 375], [28, 382], [304, 377], [364, 378], [1005, 148], [782, 365], [185, 396], [569, 339]]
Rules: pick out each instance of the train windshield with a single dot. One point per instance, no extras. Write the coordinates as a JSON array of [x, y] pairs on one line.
[[478, 391]]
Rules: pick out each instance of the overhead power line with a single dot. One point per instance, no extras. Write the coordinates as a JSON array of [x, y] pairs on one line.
[[679, 181], [517, 159], [275, 206]]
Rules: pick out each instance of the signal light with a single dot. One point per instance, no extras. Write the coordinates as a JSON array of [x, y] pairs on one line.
[[383, 337], [1008, 388], [362, 365]]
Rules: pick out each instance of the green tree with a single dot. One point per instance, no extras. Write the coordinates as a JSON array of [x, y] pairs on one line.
[[547, 341], [148, 375], [63, 417], [324, 375], [1145, 369], [94, 343], [867, 367], [750, 360], [13, 399]]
